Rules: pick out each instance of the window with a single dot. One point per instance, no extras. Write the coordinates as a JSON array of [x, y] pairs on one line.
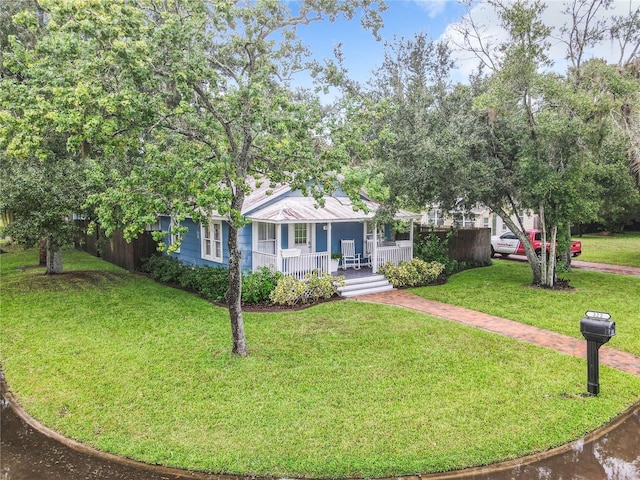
[[435, 217], [211, 236], [267, 238], [300, 233]]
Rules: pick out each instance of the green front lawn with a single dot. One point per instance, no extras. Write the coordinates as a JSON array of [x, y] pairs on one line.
[[619, 249], [345, 388], [504, 289]]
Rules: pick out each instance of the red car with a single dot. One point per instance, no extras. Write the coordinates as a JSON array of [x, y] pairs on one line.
[[508, 243]]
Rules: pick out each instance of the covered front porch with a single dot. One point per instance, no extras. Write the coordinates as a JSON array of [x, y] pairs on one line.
[[293, 262], [295, 236]]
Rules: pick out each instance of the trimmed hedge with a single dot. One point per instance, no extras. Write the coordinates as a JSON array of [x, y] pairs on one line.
[[211, 282], [415, 273], [315, 286]]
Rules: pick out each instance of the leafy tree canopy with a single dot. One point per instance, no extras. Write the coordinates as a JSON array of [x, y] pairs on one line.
[[181, 107]]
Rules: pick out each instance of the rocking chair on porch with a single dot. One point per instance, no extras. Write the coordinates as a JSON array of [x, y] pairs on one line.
[[349, 256]]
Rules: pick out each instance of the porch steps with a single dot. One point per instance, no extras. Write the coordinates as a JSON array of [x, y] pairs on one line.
[[365, 285]]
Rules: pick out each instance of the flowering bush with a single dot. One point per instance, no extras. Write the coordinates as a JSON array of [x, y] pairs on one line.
[[291, 291], [321, 286], [412, 274]]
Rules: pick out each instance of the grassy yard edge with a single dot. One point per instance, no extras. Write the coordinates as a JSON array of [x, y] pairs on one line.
[[325, 323]]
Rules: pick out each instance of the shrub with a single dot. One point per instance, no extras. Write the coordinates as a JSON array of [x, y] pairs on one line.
[[262, 286], [412, 274], [288, 291], [291, 291], [320, 286], [164, 268], [431, 248], [257, 286], [210, 282]]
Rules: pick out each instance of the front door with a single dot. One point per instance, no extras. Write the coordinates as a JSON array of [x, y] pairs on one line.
[[300, 237]]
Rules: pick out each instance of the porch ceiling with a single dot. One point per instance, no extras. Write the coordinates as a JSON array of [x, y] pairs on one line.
[[305, 209]]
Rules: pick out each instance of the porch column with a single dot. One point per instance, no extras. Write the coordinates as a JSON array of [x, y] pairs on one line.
[[254, 245], [364, 238], [374, 267], [329, 246], [411, 237], [278, 247]]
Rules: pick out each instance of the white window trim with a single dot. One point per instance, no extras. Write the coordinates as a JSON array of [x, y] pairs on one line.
[[203, 242], [311, 235], [271, 242]]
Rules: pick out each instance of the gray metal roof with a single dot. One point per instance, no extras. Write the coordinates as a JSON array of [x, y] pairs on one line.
[[306, 210], [262, 194]]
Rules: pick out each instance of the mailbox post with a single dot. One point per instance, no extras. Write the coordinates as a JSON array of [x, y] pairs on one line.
[[597, 329]]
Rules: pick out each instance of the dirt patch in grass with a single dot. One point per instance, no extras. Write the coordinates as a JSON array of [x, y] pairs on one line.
[[72, 280], [561, 284]]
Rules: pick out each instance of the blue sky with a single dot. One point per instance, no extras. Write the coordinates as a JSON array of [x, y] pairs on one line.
[[363, 53], [402, 18]]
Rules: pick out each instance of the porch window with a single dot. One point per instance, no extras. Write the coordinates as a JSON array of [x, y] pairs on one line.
[[371, 228], [211, 235], [267, 238], [300, 233]]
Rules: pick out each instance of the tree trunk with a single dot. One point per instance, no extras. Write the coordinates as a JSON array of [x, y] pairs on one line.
[[534, 263], [565, 255], [544, 278], [551, 267], [54, 258], [234, 294], [43, 252], [547, 260]]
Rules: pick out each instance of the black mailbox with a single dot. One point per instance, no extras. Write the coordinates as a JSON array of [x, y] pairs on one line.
[[597, 329]]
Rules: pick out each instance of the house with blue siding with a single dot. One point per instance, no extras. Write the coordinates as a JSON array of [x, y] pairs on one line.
[[290, 233]]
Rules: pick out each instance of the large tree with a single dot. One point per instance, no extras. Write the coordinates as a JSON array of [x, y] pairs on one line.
[[519, 137], [42, 181], [191, 101]]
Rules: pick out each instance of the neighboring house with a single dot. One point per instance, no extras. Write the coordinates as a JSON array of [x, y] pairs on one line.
[[479, 217], [290, 233]]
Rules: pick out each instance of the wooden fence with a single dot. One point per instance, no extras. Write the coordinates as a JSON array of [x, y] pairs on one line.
[[116, 249], [466, 244]]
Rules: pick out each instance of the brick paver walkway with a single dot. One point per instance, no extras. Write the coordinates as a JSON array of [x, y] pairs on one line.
[[602, 267], [526, 333], [596, 267]]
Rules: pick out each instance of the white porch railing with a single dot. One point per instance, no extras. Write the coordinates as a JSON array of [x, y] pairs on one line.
[[261, 259], [394, 254], [297, 266], [305, 263]]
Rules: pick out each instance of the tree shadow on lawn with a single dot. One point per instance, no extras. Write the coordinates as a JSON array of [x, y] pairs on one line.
[[71, 280]]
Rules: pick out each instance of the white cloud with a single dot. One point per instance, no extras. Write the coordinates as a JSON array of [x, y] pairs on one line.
[[491, 31], [432, 7]]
